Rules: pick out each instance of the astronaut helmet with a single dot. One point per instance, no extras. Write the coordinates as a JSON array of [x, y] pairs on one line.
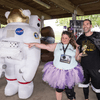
[[34, 21]]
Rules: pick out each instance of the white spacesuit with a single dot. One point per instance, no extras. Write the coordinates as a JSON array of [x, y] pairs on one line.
[[19, 61]]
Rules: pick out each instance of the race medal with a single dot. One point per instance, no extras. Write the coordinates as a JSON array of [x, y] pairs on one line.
[[65, 58]]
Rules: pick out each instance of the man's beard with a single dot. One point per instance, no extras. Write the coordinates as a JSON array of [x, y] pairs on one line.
[[86, 31]]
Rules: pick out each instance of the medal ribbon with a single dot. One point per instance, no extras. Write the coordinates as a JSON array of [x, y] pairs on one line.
[[65, 48]]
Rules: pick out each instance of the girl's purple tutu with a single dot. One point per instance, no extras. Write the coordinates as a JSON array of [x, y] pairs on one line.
[[58, 78]]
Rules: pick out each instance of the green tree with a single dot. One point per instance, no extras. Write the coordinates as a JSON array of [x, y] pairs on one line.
[[3, 25], [63, 21], [66, 21]]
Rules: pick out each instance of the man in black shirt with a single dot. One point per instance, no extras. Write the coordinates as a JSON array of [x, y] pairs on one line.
[[91, 62]]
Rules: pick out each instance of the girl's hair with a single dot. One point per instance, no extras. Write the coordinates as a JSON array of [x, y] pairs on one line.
[[70, 35]]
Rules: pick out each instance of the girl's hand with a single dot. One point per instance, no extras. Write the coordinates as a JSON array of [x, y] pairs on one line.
[[30, 44], [78, 58], [80, 55]]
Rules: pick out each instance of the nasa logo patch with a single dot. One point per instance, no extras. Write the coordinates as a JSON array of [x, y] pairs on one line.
[[36, 35], [19, 31]]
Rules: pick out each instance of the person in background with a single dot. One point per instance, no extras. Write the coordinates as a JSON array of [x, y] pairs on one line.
[[91, 61], [64, 71], [74, 34], [69, 29]]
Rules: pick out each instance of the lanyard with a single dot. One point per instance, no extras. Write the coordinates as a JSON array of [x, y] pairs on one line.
[[65, 48]]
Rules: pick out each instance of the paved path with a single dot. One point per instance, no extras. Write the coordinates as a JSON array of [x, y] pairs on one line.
[[43, 91]]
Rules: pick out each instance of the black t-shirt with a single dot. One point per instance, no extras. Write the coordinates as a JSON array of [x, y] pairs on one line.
[[92, 61]]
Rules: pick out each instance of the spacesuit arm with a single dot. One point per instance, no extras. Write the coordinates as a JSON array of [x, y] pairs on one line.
[[2, 67], [1, 33], [32, 55], [32, 63], [2, 62]]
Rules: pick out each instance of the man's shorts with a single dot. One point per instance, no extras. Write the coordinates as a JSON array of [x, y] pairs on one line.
[[92, 76]]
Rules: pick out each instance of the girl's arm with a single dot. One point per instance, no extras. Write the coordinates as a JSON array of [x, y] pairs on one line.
[[78, 55], [49, 47]]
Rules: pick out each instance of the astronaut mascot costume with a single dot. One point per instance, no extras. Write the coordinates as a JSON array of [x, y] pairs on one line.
[[17, 60]]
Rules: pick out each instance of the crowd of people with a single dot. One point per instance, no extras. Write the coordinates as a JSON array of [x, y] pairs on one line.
[[70, 67]]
